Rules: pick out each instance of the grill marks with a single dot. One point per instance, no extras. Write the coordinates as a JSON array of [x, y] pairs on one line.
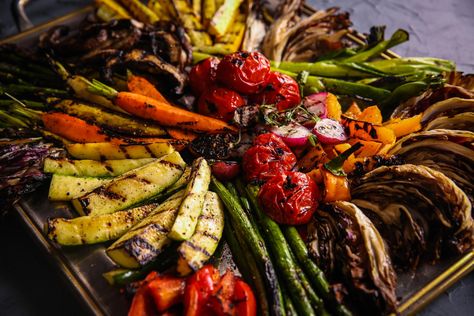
[[146, 240]]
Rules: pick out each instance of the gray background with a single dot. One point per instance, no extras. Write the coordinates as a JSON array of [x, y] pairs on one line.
[[29, 285]]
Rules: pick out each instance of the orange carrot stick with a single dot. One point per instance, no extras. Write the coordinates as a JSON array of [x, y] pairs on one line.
[[73, 128], [169, 115], [181, 134], [140, 85]]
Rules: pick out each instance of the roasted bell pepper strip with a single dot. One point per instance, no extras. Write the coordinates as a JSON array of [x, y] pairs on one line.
[[199, 287], [336, 188], [368, 131], [166, 291], [353, 110], [245, 303], [336, 164], [371, 114], [333, 107], [221, 300], [142, 304], [405, 126]]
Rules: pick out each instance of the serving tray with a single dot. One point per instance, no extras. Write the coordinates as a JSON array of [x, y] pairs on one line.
[[82, 267]]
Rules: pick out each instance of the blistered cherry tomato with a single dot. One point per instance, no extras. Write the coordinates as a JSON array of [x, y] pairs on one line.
[[244, 72], [225, 170], [220, 102], [270, 140], [289, 198], [268, 156], [203, 75], [280, 90]]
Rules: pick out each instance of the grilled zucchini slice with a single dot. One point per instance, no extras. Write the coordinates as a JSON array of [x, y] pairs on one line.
[[92, 168], [94, 229], [117, 122], [191, 23], [109, 10], [67, 188], [191, 207], [145, 241], [102, 151], [195, 251], [132, 187], [224, 17], [140, 11]]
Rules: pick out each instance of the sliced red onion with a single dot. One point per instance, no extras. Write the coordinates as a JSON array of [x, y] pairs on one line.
[[293, 134], [329, 131], [316, 104]]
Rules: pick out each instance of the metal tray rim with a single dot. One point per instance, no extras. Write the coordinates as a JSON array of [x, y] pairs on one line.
[[414, 304]]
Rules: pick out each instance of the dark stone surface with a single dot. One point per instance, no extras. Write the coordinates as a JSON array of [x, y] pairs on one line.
[[30, 285]]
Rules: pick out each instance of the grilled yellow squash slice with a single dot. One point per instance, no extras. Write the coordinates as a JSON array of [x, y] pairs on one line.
[[191, 207], [92, 168], [67, 188], [195, 251], [145, 241], [132, 187], [94, 229], [102, 151]]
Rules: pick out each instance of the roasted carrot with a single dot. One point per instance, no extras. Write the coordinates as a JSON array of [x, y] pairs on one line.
[[140, 85], [169, 115], [159, 111], [73, 128], [181, 134]]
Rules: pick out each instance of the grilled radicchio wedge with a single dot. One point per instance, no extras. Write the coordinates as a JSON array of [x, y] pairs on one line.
[[348, 247], [454, 113], [421, 213], [21, 163], [418, 104], [448, 151]]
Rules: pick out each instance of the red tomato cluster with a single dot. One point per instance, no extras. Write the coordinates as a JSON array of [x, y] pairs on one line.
[[290, 198], [287, 197], [205, 293], [268, 157], [223, 86]]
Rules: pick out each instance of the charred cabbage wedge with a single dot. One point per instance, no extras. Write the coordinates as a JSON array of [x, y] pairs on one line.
[[102, 151], [145, 241], [448, 151], [95, 229], [132, 187], [67, 188], [454, 113], [92, 168], [195, 251], [193, 201], [421, 213], [349, 249]]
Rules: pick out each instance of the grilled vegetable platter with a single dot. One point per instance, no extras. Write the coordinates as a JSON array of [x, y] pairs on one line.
[[230, 157]]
